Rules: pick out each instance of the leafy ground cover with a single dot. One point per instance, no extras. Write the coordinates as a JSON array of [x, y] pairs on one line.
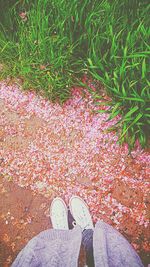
[[51, 44], [52, 150]]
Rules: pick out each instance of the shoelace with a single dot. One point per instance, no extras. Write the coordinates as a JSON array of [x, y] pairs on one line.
[[74, 223]]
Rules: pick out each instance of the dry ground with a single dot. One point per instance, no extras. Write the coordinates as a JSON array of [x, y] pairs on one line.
[[42, 158]]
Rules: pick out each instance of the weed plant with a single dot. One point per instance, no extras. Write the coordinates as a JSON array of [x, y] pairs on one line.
[[118, 57], [50, 44]]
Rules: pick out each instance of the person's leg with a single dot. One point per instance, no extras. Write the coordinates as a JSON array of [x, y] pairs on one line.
[[87, 241], [59, 219], [112, 249], [53, 247], [59, 214], [80, 212], [82, 217]]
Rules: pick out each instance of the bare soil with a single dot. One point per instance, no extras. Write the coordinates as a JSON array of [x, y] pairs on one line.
[[25, 213]]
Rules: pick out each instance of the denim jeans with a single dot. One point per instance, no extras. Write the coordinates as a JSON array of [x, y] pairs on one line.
[[87, 241]]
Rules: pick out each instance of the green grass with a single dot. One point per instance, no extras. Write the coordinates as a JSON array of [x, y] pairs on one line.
[[59, 40], [121, 64]]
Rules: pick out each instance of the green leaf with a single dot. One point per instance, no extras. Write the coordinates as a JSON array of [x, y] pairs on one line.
[[138, 117], [107, 76], [102, 111], [143, 68], [132, 98], [123, 90], [113, 115], [131, 111]]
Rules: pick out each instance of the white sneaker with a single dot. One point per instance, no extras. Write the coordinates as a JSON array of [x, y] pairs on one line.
[[59, 214], [80, 212]]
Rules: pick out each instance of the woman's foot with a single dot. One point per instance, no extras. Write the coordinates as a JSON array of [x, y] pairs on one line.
[[80, 212], [59, 214]]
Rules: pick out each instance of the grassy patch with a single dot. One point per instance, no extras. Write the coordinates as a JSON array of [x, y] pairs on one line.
[[118, 57], [50, 44]]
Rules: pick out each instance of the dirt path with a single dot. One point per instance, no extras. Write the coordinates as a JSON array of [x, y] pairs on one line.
[[48, 151], [24, 214]]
